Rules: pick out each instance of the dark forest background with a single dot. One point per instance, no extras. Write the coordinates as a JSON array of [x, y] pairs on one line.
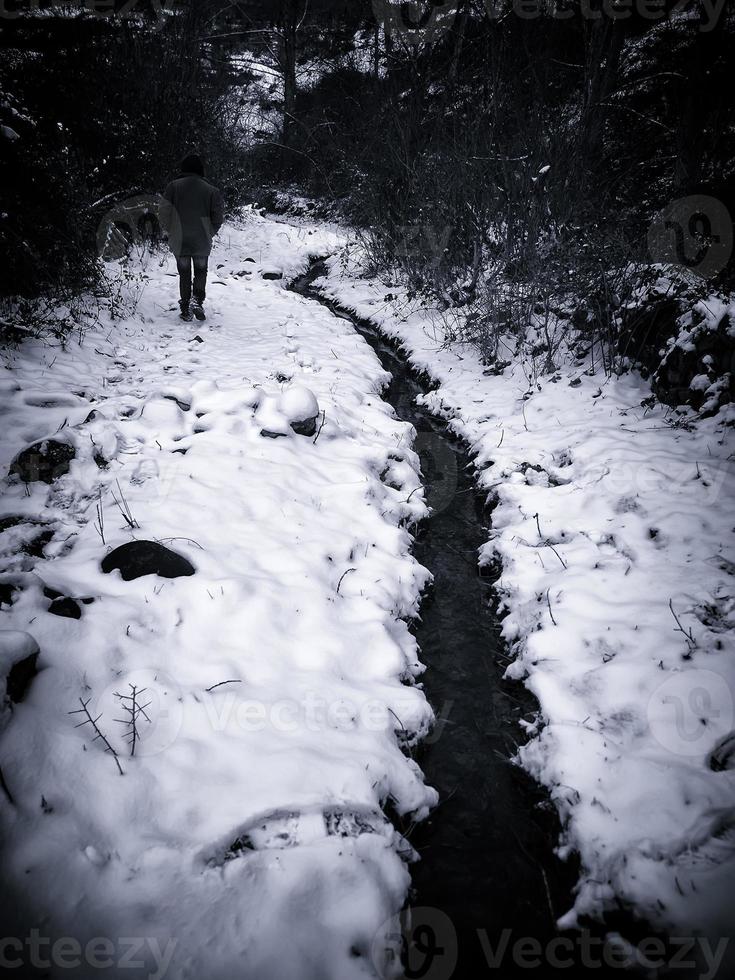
[[469, 142]]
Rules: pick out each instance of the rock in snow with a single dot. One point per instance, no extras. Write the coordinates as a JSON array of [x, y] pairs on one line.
[[299, 405], [44, 461], [138, 558], [18, 657]]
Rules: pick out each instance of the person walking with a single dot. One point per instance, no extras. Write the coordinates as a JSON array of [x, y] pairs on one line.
[[191, 213]]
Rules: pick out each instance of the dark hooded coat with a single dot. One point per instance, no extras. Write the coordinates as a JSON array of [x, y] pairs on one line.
[[191, 211]]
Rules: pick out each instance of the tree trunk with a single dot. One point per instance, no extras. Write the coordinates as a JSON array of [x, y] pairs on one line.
[[289, 20]]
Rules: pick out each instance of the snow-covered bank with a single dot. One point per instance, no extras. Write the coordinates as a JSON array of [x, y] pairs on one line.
[[615, 532], [246, 836]]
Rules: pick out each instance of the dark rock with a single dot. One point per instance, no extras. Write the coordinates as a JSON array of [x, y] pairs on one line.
[[45, 461], [305, 428], [20, 676], [6, 593], [197, 338], [12, 521], [67, 607], [52, 593], [184, 406], [272, 275], [722, 756], [575, 383], [138, 558], [100, 460], [35, 547], [248, 259], [268, 434]]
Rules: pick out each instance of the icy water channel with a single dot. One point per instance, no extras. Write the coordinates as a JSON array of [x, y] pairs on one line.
[[488, 880]]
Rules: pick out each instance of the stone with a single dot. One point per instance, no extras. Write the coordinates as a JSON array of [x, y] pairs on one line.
[[66, 607], [44, 461], [138, 558], [722, 756], [18, 662], [298, 403]]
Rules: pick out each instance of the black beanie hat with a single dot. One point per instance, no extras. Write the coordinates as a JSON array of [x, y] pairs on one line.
[[192, 164]]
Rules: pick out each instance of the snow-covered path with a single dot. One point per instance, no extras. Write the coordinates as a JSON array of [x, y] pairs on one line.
[[246, 836]]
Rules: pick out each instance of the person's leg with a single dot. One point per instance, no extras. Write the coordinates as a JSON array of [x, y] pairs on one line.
[[200, 278], [183, 264]]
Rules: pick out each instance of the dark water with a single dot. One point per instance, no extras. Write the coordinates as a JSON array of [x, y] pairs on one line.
[[488, 877]]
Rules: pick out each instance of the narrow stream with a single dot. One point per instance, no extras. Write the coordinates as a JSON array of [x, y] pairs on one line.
[[487, 874]]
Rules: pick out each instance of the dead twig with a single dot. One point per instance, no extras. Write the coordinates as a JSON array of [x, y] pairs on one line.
[[124, 509], [343, 575], [687, 634], [324, 419], [133, 709], [89, 720], [220, 683]]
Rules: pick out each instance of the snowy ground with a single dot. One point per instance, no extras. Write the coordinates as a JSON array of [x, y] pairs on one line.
[[611, 524], [302, 586]]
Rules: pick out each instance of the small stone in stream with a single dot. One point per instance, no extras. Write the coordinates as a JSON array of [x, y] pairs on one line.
[[66, 607], [138, 558], [18, 659], [45, 461], [272, 275]]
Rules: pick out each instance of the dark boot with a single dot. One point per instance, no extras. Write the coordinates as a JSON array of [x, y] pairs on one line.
[[185, 311], [198, 309]]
